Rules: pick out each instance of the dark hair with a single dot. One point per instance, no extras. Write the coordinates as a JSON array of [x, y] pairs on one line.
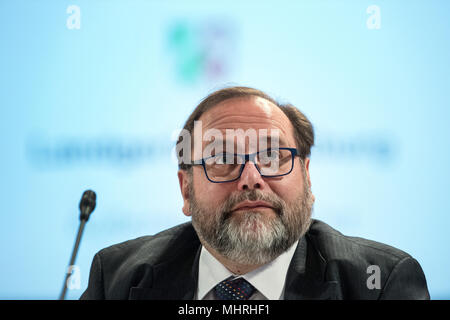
[[303, 129]]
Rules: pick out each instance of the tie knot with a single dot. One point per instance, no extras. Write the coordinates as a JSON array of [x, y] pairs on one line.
[[238, 289]]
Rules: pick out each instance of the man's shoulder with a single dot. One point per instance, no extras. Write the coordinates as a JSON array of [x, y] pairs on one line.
[[151, 249], [333, 245], [362, 265], [129, 264]]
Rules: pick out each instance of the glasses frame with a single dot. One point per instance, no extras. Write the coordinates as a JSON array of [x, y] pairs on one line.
[[250, 157]]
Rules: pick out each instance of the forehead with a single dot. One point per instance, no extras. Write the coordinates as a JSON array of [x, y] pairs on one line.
[[249, 113]]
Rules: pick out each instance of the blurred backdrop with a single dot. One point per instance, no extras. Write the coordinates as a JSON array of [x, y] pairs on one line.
[[93, 92]]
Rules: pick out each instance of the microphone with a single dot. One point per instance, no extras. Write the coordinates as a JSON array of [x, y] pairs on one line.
[[87, 205]]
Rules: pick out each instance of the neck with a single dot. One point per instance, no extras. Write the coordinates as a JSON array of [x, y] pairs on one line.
[[233, 266]]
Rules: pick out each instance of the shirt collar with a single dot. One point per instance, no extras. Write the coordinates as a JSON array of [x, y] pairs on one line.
[[268, 279]]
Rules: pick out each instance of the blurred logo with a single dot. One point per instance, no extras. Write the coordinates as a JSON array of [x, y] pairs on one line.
[[201, 51]]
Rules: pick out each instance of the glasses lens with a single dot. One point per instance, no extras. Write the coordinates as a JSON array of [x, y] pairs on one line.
[[223, 167], [274, 162], [227, 166]]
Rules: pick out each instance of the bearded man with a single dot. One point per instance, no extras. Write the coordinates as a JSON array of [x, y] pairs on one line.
[[251, 235]]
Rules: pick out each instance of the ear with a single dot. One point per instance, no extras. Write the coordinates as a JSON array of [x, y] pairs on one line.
[[307, 171], [183, 179], [308, 177]]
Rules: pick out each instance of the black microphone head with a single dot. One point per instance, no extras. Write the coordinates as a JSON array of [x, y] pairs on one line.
[[87, 204]]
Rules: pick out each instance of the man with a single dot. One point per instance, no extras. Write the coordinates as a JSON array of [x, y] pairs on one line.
[[251, 236]]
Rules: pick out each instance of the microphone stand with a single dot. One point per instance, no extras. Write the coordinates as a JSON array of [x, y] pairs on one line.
[[72, 259], [87, 205]]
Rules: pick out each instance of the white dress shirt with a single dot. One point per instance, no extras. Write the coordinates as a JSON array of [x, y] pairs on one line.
[[268, 279]]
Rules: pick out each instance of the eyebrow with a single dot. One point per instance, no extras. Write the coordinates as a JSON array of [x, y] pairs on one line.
[[282, 142]]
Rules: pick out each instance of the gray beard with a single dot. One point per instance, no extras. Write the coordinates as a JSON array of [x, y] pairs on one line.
[[250, 237]]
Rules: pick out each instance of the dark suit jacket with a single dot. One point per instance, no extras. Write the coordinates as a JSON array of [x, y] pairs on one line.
[[326, 265]]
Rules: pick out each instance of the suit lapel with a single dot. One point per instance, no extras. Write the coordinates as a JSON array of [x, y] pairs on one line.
[[175, 279], [306, 275]]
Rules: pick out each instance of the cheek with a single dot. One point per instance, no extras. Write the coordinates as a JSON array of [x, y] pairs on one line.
[[288, 194], [289, 188], [208, 194]]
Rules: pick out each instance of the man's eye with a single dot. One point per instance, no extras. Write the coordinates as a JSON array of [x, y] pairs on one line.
[[220, 160], [270, 154]]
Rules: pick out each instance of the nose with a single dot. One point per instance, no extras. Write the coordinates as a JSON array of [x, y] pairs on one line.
[[250, 178]]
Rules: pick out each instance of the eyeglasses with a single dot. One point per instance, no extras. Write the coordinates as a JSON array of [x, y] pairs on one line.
[[228, 167]]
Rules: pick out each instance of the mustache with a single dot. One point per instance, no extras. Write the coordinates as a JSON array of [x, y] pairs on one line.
[[252, 195]]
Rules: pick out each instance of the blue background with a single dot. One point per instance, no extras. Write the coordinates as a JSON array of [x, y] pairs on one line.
[[97, 107]]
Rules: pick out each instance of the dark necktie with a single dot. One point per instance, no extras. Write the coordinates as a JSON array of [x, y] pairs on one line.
[[238, 289]]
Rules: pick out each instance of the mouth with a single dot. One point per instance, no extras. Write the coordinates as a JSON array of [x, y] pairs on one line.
[[252, 205]]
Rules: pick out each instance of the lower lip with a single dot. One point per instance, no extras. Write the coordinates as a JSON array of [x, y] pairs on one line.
[[253, 208]]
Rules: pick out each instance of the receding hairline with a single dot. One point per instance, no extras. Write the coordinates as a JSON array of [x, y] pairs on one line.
[[221, 103], [273, 105]]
